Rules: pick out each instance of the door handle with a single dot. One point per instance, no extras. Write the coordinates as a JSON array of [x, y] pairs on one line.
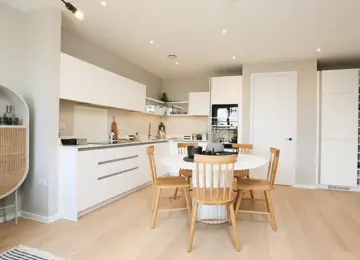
[[289, 139]]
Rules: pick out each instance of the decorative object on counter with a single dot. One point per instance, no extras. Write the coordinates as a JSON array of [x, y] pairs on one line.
[[14, 147], [137, 137], [162, 131], [74, 141], [112, 137], [114, 128], [192, 150]]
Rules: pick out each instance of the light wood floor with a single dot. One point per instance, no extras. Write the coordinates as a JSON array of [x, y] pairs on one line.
[[313, 224]]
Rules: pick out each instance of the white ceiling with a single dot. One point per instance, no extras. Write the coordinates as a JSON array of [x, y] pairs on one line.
[[257, 31]]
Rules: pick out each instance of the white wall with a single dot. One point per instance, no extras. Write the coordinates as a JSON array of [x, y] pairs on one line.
[[30, 61], [11, 28], [306, 112]]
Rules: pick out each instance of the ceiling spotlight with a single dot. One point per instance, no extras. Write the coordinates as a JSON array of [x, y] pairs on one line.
[[103, 3], [177, 63], [318, 49], [78, 14], [233, 57], [224, 31], [151, 42]]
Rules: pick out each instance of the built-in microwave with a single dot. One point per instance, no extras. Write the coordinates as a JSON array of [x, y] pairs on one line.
[[224, 124], [225, 115]]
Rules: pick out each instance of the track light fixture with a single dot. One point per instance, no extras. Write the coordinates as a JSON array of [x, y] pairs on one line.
[[78, 14]]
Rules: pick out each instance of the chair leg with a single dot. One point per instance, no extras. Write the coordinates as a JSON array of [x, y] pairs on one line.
[[267, 203], [238, 202], [153, 202], [192, 228], [156, 207], [188, 205], [234, 227], [228, 214], [251, 192], [271, 210], [175, 193]]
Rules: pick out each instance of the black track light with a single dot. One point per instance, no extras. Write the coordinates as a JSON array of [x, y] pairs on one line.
[[78, 14]]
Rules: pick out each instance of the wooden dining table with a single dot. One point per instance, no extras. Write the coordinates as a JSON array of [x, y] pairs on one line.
[[243, 162]]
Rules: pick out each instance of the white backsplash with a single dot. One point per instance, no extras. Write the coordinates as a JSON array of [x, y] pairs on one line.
[[132, 122]]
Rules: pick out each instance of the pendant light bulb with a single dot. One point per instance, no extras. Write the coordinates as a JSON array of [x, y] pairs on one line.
[[78, 14]]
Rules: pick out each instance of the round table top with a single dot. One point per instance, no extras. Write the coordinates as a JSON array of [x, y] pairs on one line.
[[243, 162]]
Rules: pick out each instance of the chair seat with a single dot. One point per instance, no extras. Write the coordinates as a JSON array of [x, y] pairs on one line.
[[186, 173], [241, 173], [171, 182], [254, 184], [213, 200]]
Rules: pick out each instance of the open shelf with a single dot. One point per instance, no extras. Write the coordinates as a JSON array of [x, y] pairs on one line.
[[14, 126]]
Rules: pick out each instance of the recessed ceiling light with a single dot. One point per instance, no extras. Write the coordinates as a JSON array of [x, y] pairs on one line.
[[151, 42], [103, 3], [224, 31], [318, 49], [172, 57], [177, 63], [233, 57]]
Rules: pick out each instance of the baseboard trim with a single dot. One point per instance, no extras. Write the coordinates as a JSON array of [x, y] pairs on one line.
[[322, 187], [39, 218]]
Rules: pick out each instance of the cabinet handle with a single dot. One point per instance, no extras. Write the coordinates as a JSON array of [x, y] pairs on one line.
[[117, 173], [118, 159]]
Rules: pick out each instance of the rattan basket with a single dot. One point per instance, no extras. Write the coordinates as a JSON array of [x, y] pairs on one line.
[[13, 158]]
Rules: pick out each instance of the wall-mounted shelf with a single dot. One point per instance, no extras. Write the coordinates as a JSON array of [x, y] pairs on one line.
[[14, 126], [170, 103]]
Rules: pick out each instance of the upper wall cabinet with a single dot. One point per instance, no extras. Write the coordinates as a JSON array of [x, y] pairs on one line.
[[84, 82], [199, 103], [226, 90], [340, 81]]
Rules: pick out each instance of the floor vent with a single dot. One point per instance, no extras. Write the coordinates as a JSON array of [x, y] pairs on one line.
[[335, 187]]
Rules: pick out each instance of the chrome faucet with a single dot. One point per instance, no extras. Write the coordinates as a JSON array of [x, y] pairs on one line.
[[149, 133]]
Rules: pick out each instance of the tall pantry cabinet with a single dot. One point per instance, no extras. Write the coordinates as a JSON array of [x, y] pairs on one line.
[[339, 131]]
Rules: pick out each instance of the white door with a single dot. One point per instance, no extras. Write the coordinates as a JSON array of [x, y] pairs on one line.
[[273, 121]]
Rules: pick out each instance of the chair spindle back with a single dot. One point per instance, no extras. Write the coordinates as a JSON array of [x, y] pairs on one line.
[[210, 186], [273, 165], [242, 148], [182, 147]]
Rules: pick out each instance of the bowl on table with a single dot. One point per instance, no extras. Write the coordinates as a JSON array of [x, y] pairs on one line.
[[192, 150]]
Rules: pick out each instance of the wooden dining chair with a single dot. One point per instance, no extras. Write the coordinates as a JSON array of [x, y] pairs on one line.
[[182, 149], [214, 188], [173, 182], [262, 185], [242, 149]]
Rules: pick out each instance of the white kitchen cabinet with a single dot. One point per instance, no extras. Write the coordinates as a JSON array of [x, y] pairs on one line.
[[84, 82], [226, 90], [339, 127], [91, 178], [199, 103], [340, 81], [339, 162], [340, 116]]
